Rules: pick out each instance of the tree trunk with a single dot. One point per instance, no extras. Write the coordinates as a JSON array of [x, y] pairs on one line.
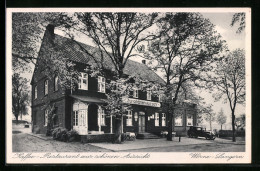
[[118, 130], [233, 126], [16, 118], [221, 127], [210, 124], [169, 137]]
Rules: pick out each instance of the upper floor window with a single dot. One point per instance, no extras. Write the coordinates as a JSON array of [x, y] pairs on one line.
[[149, 94], [160, 97], [35, 92], [178, 121], [101, 84], [101, 117], [135, 93], [156, 119], [55, 83], [46, 87], [189, 120], [129, 119], [83, 81], [163, 119], [46, 112]]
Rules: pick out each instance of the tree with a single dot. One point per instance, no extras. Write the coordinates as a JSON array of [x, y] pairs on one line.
[[241, 19], [115, 35], [221, 118], [209, 115], [230, 81], [27, 33], [240, 122], [184, 50], [20, 96]]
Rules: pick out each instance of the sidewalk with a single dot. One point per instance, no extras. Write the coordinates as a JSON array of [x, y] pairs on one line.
[[41, 136], [151, 143]]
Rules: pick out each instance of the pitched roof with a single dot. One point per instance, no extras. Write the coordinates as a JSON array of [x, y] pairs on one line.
[[73, 52]]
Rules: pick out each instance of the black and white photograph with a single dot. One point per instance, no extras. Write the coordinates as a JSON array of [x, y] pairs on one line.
[[128, 85]]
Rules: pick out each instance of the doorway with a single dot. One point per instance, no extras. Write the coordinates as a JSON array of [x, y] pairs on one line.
[[141, 123]]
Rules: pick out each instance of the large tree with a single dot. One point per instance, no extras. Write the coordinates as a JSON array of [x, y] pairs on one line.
[[184, 50], [115, 35], [230, 81], [27, 33], [20, 95], [221, 117]]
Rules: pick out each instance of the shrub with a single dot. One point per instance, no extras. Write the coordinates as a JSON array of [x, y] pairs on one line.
[[60, 134], [72, 135]]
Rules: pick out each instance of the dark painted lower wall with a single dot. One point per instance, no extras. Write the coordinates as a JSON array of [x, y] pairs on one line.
[[38, 116]]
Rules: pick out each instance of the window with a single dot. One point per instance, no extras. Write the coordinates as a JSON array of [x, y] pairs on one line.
[[101, 84], [46, 87], [129, 119], [101, 117], [189, 120], [163, 119], [178, 121], [82, 114], [156, 119], [149, 94], [135, 93], [46, 112], [83, 81], [76, 118], [35, 92], [55, 83], [160, 97]]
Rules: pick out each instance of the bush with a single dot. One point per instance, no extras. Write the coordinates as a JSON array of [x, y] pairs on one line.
[[72, 135], [62, 134]]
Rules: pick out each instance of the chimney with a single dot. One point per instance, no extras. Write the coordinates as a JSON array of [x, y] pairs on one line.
[[143, 61], [50, 29]]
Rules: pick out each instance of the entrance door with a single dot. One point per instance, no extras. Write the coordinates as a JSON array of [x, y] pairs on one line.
[[141, 123], [80, 118]]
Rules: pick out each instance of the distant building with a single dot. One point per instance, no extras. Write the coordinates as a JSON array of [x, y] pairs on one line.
[[82, 110]]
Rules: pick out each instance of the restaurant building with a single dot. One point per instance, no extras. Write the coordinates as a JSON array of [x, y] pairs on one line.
[[82, 109]]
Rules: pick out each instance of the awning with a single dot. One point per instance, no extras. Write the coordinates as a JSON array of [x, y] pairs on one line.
[[88, 99]]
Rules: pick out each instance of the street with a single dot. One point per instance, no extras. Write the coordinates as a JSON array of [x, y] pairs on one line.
[[23, 142]]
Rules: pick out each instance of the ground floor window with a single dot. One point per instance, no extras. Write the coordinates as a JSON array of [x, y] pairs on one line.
[[189, 120], [80, 118], [129, 119], [156, 119], [76, 118], [163, 119], [178, 120], [101, 117], [46, 112]]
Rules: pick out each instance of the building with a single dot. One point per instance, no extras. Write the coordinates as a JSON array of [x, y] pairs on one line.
[[81, 109]]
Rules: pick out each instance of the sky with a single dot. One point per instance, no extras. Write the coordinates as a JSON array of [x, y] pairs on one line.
[[222, 22]]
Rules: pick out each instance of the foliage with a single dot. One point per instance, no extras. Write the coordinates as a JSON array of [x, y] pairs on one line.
[[184, 50], [241, 19], [240, 122], [208, 113], [221, 118], [27, 32], [72, 135], [116, 35], [20, 95], [230, 81], [62, 134]]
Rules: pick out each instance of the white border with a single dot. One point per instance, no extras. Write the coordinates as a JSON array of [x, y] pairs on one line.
[[155, 158]]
